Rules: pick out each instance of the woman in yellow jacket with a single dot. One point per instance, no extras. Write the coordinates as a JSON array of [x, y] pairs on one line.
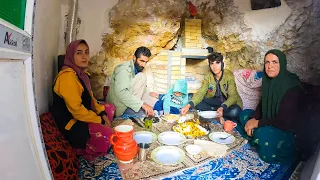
[[77, 114]]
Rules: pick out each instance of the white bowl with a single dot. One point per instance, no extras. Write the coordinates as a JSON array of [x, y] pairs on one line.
[[208, 114], [193, 149]]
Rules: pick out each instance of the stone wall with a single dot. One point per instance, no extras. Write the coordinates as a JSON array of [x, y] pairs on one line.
[[243, 36]]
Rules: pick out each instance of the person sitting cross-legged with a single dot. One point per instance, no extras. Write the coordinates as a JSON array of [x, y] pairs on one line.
[[218, 92], [128, 86], [271, 127]]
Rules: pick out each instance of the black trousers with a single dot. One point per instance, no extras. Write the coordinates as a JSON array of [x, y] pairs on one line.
[[212, 104]]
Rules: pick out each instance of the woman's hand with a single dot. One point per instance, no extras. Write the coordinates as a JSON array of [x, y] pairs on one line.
[[106, 120], [185, 109], [250, 125], [220, 112], [154, 94]]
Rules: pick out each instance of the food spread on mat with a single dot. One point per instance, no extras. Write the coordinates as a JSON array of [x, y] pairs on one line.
[[189, 126]]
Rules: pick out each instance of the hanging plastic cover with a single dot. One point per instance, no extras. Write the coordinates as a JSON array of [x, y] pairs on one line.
[[264, 4]]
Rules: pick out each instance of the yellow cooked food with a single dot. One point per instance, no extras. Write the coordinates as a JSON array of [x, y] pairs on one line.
[[190, 129]]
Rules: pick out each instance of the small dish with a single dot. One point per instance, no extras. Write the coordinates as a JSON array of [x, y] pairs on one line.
[[144, 137], [154, 119], [193, 149]]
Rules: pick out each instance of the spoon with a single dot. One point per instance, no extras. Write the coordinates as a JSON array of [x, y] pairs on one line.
[[224, 138]]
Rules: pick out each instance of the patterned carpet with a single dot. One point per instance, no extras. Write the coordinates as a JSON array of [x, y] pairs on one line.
[[243, 163]]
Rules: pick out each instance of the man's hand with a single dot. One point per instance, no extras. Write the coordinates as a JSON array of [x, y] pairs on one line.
[[148, 109], [185, 109], [106, 120], [250, 125], [220, 112], [154, 94]]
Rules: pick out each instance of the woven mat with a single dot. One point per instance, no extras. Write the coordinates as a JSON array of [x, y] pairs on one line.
[[149, 169]]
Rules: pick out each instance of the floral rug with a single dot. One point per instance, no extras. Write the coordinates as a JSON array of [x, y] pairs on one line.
[[241, 162]]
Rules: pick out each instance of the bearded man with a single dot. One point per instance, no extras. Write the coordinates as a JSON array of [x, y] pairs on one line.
[[128, 86]]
